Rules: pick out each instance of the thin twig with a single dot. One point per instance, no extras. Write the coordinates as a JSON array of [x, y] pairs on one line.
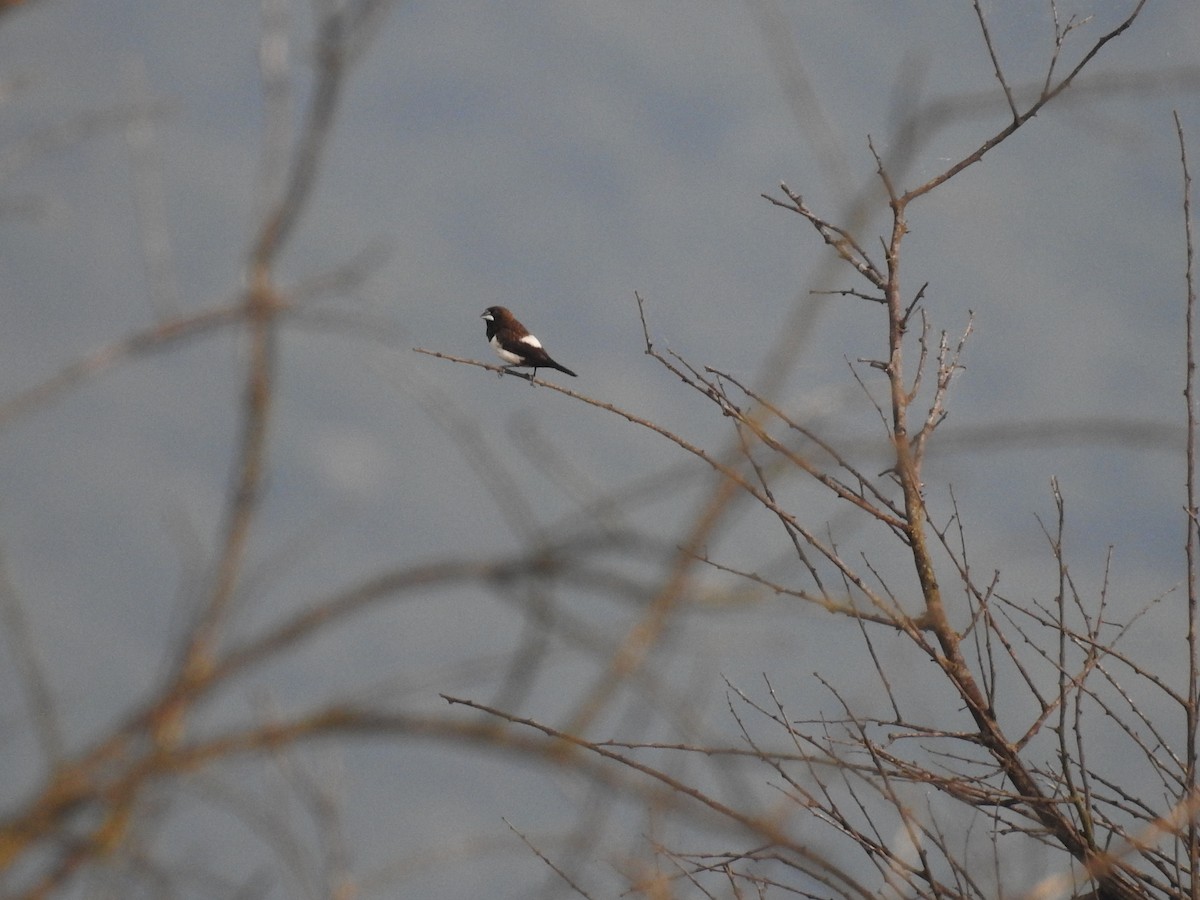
[[1192, 708]]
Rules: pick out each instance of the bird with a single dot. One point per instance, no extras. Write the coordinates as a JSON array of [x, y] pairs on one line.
[[515, 345]]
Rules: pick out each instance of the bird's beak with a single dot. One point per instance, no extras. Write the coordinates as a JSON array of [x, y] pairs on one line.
[[487, 316]]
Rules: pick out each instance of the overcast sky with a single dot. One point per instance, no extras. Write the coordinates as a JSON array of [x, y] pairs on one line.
[[556, 158]]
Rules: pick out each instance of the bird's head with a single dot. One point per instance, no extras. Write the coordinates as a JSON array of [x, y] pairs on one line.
[[496, 314]]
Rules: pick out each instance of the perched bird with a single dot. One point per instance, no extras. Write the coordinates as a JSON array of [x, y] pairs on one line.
[[514, 344]]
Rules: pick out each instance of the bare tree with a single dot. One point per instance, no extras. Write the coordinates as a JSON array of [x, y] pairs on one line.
[[894, 798]]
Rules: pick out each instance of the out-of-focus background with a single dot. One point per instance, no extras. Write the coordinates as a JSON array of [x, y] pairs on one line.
[[554, 158]]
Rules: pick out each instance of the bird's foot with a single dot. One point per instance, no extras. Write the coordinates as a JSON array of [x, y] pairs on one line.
[[512, 370]]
